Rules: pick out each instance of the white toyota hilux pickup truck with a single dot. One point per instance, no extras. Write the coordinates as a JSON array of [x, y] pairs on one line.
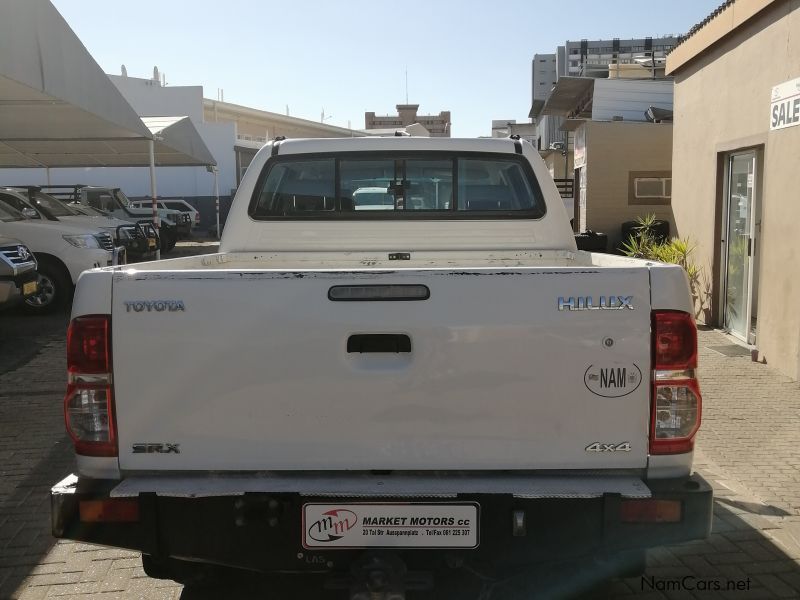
[[425, 394]]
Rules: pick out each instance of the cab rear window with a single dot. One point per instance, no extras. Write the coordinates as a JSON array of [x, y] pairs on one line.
[[397, 187]]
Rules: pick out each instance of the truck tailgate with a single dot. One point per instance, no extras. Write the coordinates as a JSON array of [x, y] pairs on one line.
[[232, 370]]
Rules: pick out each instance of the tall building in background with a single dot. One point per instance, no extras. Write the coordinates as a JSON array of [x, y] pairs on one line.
[[544, 75], [437, 125], [591, 58], [642, 58]]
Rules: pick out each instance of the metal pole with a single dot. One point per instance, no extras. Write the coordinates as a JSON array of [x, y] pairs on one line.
[[47, 170], [216, 195], [153, 194]]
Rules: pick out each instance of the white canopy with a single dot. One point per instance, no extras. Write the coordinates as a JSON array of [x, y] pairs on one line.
[[59, 109], [176, 143]]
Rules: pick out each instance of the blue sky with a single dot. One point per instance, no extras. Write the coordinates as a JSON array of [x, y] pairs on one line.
[[472, 58]]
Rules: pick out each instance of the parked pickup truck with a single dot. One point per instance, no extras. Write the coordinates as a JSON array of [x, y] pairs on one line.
[[387, 399]]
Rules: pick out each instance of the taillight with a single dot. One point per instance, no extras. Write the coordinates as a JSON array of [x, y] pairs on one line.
[[674, 340], [89, 402], [676, 402]]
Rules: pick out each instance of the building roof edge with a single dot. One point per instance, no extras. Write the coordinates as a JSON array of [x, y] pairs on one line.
[[726, 18]]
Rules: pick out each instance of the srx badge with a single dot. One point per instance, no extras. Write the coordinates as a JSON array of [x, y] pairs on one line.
[[142, 448]]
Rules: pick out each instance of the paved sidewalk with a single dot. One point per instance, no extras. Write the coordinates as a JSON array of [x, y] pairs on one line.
[[747, 449]]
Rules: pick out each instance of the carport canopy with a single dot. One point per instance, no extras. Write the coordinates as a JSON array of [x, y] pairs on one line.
[[59, 109], [176, 143], [568, 95]]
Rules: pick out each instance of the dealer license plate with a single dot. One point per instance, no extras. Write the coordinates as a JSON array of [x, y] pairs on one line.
[[151, 243], [390, 525], [29, 288]]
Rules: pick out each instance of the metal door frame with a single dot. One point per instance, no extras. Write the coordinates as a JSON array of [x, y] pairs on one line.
[[749, 336]]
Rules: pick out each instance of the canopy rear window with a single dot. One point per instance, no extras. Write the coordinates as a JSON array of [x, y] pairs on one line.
[[370, 186]]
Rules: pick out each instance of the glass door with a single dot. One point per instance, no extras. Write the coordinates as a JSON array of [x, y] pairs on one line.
[[739, 230]]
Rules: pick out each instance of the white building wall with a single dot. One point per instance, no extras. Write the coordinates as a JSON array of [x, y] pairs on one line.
[[629, 99], [149, 99]]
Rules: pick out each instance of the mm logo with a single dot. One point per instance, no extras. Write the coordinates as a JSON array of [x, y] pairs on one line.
[[332, 525], [142, 448], [589, 303]]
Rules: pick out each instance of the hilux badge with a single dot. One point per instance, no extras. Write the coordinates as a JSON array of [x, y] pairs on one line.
[[589, 303]]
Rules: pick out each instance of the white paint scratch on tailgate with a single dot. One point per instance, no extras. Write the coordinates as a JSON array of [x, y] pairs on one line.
[[325, 485]]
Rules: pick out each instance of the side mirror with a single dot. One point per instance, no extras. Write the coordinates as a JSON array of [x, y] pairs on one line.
[[30, 213]]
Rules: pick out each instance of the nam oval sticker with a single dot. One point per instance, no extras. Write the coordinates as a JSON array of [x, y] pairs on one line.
[[612, 381]]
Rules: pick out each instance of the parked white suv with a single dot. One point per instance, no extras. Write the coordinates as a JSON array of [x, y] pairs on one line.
[[130, 239], [62, 251], [114, 202]]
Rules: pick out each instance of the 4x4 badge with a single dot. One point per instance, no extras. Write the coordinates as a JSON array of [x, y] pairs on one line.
[[600, 447]]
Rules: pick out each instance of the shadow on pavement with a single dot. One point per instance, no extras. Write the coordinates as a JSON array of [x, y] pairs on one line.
[[34, 449], [22, 335], [25, 512], [739, 559], [753, 508]]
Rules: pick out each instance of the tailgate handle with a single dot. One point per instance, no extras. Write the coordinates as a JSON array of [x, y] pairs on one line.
[[379, 342]]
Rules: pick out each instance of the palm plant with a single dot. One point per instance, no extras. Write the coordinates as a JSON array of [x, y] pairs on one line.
[[644, 244]]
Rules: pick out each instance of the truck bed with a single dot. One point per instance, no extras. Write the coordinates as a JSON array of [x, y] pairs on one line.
[[321, 260]]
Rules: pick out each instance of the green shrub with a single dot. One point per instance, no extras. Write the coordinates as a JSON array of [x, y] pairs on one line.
[[676, 251]]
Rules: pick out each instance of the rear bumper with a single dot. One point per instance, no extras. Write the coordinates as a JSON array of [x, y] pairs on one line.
[[263, 531]]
